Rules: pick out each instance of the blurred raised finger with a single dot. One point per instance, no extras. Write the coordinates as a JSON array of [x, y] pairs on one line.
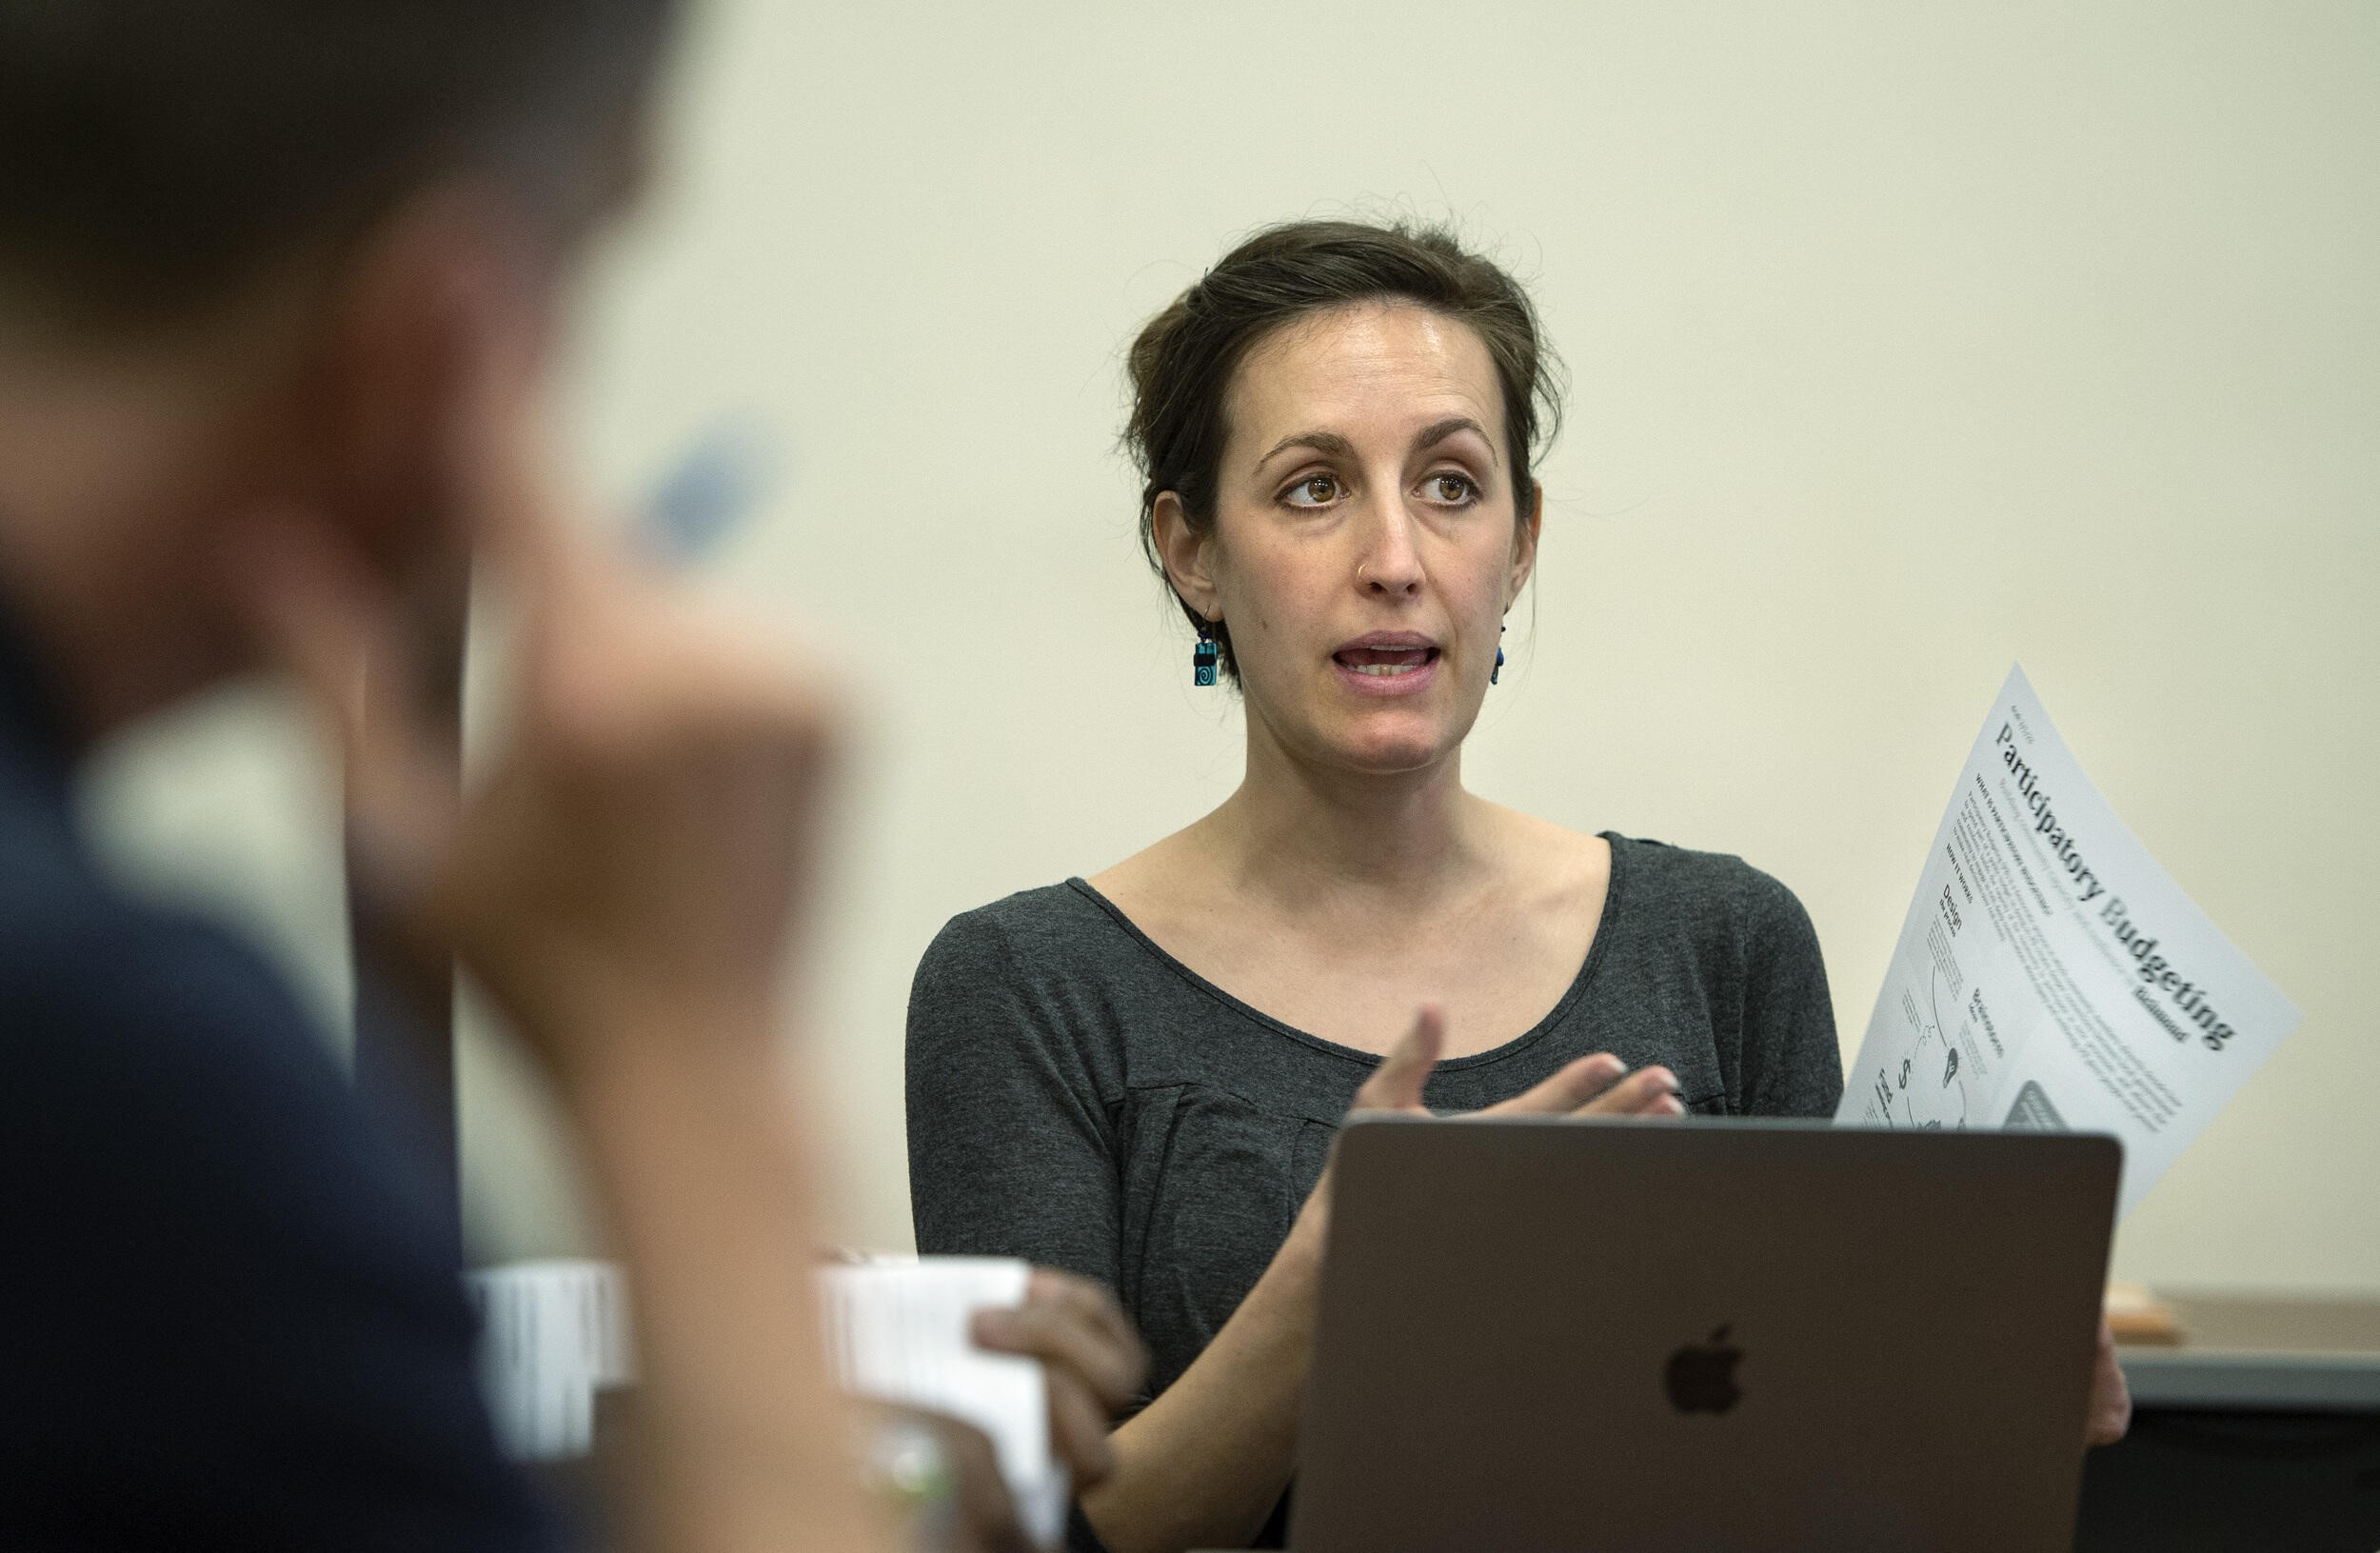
[[1396, 1083]]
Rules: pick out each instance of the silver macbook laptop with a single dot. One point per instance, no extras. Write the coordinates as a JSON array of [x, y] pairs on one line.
[[1702, 1335]]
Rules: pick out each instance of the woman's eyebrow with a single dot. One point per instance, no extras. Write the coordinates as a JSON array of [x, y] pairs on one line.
[[1438, 431], [1338, 446], [1322, 441]]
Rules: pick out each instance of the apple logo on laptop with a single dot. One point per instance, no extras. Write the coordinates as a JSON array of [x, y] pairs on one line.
[[1701, 1377]]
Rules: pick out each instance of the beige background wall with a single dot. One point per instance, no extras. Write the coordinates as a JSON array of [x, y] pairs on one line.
[[1907, 342]]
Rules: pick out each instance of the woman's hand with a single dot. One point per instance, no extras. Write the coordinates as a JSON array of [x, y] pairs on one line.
[[1094, 1360], [1596, 1085], [2110, 1397]]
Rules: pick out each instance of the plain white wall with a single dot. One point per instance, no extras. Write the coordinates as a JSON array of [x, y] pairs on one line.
[[1907, 342]]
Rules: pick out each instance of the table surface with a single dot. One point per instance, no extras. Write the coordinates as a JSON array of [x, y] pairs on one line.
[[2263, 1353]]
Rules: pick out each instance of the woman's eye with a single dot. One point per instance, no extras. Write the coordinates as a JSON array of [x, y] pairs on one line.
[[1454, 490], [1313, 491]]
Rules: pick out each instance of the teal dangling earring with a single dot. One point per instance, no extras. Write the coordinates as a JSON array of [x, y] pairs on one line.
[[1498, 670], [1204, 656]]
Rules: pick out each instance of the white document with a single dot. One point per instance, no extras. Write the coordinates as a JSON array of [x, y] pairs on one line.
[[897, 1331], [2051, 975]]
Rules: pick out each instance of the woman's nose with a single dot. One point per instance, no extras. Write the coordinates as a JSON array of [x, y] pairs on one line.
[[1390, 564]]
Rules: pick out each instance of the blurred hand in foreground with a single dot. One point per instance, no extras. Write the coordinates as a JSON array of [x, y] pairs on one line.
[[625, 879], [633, 855]]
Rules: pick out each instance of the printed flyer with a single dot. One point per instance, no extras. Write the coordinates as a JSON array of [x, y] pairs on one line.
[[2051, 975]]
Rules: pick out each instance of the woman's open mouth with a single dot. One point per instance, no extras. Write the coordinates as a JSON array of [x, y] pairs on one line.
[[1387, 664], [1385, 661]]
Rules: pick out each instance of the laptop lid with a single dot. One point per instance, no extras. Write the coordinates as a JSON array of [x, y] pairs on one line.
[[1711, 1335]]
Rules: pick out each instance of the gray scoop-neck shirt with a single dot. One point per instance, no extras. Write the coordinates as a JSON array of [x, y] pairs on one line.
[[1080, 1098]]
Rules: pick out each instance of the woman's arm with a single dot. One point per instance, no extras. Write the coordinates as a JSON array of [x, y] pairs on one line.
[[1204, 1463], [1012, 1149], [1791, 1062]]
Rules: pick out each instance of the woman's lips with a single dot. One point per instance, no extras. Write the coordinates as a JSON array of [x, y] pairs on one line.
[[1386, 671]]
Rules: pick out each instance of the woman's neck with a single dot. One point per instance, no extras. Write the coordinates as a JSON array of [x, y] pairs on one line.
[[1301, 832]]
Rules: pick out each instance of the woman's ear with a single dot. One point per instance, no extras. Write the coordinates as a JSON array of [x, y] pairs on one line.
[[1188, 556], [1525, 546]]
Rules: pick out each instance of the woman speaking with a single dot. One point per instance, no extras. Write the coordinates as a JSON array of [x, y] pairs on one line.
[[1137, 1076]]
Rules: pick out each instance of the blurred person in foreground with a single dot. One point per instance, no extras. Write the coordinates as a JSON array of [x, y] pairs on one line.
[[277, 282]]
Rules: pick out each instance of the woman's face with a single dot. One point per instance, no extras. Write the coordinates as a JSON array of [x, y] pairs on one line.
[[1365, 546]]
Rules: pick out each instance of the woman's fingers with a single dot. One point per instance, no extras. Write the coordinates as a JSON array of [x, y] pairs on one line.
[[1596, 1085], [1650, 1091], [1396, 1083], [1600, 1086], [2110, 1397], [1567, 1090]]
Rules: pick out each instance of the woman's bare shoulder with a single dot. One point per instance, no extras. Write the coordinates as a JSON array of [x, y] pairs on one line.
[[1553, 858], [1161, 882]]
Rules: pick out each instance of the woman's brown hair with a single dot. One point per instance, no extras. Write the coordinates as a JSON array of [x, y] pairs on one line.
[[1182, 363]]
